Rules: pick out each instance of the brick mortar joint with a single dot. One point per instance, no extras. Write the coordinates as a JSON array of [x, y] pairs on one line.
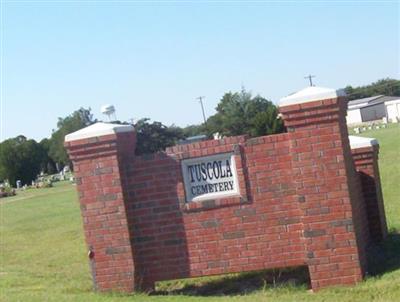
[[360, 153], [309, 106], [92, 145], [92, 142]]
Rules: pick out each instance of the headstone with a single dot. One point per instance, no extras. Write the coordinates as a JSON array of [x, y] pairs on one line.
[[216, 135]]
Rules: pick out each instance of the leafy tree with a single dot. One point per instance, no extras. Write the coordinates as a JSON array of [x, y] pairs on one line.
[[47, 165], [390, 87], [240, 113], [153, 137], [20, 159], [77, 120], [193, 130]]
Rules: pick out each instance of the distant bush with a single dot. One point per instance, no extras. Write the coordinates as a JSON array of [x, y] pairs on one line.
[[6, 191]]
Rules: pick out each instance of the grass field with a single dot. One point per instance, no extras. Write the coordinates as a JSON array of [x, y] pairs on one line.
[[43, 255]]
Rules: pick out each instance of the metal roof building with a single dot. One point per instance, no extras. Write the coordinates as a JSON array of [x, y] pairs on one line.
[[373, 108]]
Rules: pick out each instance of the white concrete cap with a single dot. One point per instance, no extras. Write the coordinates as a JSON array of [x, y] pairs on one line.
[[98, 129], [311, 94], [361, 142]]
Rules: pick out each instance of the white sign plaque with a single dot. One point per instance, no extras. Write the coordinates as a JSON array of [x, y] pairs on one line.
[[210, 177]]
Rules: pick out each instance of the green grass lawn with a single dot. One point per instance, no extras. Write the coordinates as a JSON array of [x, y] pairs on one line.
[[43, 255]]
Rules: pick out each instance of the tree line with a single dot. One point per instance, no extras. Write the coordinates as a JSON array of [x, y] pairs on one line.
[[23, 159], [389, 87], [237, 113]]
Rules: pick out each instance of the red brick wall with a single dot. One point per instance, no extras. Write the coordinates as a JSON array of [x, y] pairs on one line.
[[98, 177], [262, 229], [300, 203], [360, 222], [366, 163], [333, 238]]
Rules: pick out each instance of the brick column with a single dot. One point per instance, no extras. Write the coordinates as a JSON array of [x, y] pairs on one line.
[[97, 153], [365, 155], [333, 214]]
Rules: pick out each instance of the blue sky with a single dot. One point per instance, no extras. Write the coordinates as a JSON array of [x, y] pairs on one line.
[[152, 59]]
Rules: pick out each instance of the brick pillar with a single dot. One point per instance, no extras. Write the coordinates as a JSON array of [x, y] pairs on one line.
[[334, 231], [97, 153], [365, 155]]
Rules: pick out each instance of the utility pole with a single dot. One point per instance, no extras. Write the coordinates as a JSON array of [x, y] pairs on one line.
[[200, 98], [309, 77]]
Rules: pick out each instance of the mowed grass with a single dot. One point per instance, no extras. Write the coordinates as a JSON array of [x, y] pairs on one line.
[[43, 254]]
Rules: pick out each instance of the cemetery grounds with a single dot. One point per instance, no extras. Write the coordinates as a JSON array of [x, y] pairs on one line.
[[43, 254]]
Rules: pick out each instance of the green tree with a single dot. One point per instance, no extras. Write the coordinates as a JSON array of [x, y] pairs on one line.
[[193, 130], [239, 113], [77, 120], [47, 165], [20, 159], [390, 87], [153, 137]]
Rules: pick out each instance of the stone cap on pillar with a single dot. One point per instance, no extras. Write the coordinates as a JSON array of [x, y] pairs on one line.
[[98, 129], [100, 140], [362, 142], [312, 106], [311, 94]]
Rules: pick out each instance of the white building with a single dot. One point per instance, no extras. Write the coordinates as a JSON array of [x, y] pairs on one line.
[[393, 109], [373, 108]]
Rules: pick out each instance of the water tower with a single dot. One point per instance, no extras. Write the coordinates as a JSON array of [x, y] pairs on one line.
[[109, 110]]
